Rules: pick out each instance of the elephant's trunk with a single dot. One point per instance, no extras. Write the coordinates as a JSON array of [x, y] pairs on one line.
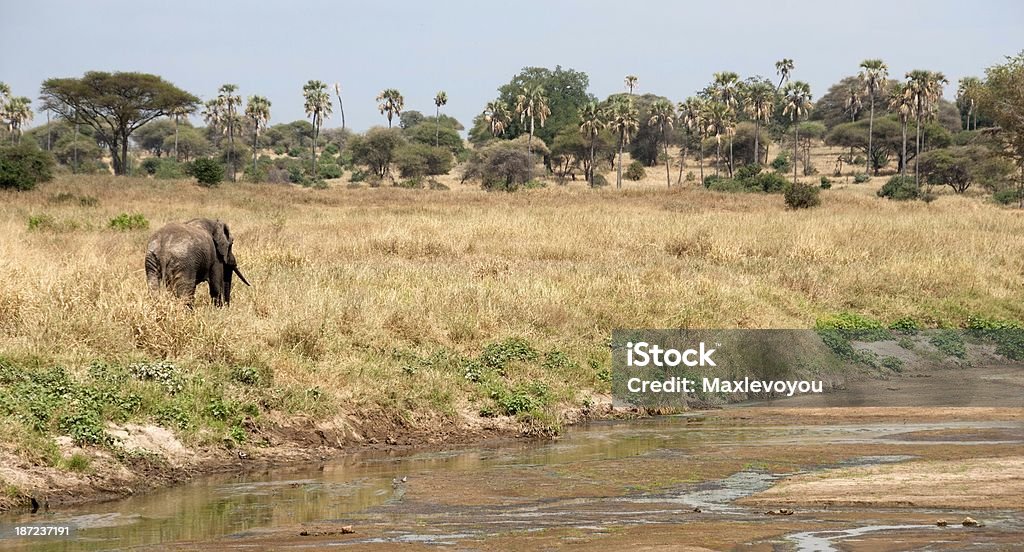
[[244, 281]]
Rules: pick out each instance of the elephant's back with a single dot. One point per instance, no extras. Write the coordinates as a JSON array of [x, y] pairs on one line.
[[179, 240]]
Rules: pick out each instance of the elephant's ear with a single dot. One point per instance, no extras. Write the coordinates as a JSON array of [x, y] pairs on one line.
[[222, 239]]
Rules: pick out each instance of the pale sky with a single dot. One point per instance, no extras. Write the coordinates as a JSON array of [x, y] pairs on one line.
[[470, 48]]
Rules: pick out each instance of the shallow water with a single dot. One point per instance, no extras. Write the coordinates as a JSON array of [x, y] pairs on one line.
[[603, 475]]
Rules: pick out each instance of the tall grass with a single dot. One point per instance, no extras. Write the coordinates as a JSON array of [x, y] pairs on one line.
[[357, 293]]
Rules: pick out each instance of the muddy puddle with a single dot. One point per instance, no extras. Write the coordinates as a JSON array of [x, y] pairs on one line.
[[677, 480]]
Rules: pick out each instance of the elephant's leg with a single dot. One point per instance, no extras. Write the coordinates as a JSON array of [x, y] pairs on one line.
[[153, 275]]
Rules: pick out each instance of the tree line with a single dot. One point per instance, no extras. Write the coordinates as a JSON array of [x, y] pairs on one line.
[[726, 125]]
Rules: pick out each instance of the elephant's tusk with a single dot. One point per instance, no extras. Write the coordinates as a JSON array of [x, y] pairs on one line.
[[244, 281]]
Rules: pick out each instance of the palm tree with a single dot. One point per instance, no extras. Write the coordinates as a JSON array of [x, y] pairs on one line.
[[663, 115], [532, 104], [258, 113], [967, 97], [17, 112], [341, 106], [230, 101], [177, 114], [497, 116], [797, 96], [624, 122], [924, 88], [716, 115], [630, 83], [873, 73], [725, 90], [592, 121], [691, 115], [318, 108], [759, 104], [440, 99], [390, 102], [5, 93], [783, 68], [901, 103], [853, 104]]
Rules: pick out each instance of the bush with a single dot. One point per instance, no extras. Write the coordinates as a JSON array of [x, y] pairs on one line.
[[358, 176], [801, 196], [150, 165], [503, 165], [781, 163], [635, 171], [207, 171], [23, 166], [1007, 196], [771, 182], [599, 181], [900, 188], [826, 183], [712, 179], [417, 159], [860, 178], [169, 169], [330, 170], [125, 222]]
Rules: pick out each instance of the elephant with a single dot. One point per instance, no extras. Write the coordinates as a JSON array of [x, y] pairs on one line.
[[180, 256]]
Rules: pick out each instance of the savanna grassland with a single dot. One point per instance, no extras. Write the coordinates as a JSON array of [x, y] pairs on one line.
[[401, 315]]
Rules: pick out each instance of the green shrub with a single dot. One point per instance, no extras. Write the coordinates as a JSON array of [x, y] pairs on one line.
[[534, 184], [125, 222], [77, 462], [207, 171], [150, 165], [169, 169], [781, 163], [712, 179], [359, 175], [769, 182], [905, 325], [40, 222], [900, 188], [295, 152], [497, 356], [330, 170], [599, 181], [24, 165], [636, 171], [280, 150], [801, 196], [826, 182], [410, 183], [860, 178], [1007, 196], [950, 342]]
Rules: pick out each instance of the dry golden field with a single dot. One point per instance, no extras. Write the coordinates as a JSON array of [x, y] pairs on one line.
[[345, 277]]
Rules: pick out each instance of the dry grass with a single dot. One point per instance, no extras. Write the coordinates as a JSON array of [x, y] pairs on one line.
[[349, 284]]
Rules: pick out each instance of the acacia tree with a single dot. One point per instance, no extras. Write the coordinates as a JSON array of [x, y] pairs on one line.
[[783, 68], [798, 102], [532, 104], [624, 122], [258, 113], [440, 99], [114, 105], [318, 107], [759, 104], [663, 115], [1002, 99], [852, 104], [390, 103], [341, 106], [873, 73], [592, 121]]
